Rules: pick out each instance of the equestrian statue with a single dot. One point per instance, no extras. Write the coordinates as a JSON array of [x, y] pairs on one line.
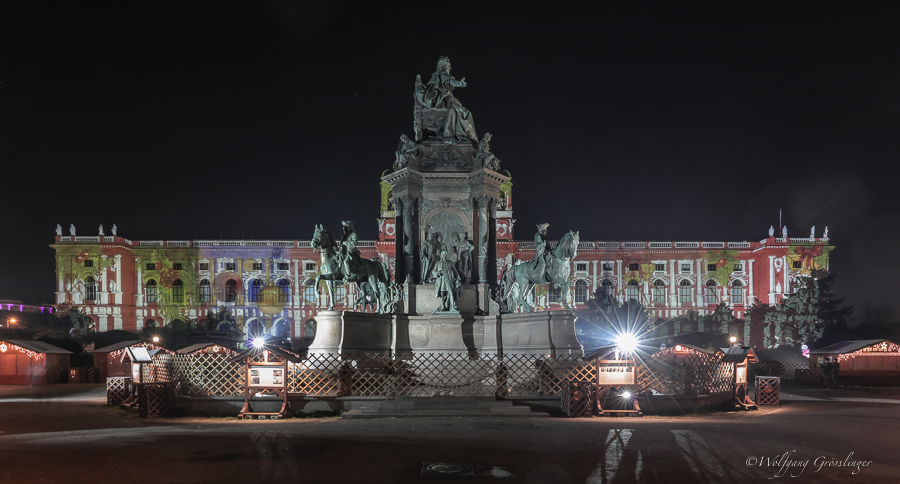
[[341, 262], [546, 267]]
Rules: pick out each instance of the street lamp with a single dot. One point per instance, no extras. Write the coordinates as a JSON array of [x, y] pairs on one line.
[[733, 339]]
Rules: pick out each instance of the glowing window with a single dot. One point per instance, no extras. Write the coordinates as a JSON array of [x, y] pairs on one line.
[[255, 286]]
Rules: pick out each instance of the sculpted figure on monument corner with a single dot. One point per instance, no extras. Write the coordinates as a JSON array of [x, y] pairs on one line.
[[537, 267], [349, 252], [446, 282], [425, 255], [406, 151], [487, 159], [438, 94]]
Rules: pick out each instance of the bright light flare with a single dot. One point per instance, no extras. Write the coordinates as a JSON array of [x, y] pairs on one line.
[[733, 339], [156, 339], [626, 395], [258, 342], [626, 343]]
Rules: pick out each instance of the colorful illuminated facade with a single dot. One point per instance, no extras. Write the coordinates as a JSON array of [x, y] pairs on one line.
[[269, 284]]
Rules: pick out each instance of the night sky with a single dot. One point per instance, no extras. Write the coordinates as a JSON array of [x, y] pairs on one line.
[[633, 122]]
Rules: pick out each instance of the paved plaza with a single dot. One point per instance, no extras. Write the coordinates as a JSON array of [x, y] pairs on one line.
[[67, 434]]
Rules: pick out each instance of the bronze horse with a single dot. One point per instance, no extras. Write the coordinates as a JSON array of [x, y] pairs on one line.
[[557, 272], [371, 273]]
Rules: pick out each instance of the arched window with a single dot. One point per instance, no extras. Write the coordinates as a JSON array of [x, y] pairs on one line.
[[633, 291], [204, 291], [178, 291], [606, 289], [684, 292], [659, 292], [581, 292], [737, 292], [90, 289], [255, 286], [282, 330], [255, 328], [151, 290], [231, 290], [309, 292], [553, 294], [151, 323], [285, 295], [710, 294]]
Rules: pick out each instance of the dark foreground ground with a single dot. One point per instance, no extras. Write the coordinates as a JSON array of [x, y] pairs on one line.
[[67, 434]]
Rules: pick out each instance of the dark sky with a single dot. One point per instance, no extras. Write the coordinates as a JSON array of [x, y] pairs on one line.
[[632, 122]]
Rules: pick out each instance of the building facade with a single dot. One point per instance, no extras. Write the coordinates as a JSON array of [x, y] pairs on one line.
[[269, 285]]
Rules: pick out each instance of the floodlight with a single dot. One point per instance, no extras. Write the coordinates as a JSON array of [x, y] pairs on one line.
[[626, 343], [733, 339], [258, 342], [156, 339], [626, 395]]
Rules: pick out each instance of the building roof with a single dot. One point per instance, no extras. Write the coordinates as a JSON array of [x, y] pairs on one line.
[[737, 354], [38, 346], [199, 346], [846, 347]]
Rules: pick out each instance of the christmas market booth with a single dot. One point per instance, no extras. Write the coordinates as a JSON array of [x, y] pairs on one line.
[[32, 363], [862, 362], [684, 379], [111, 361]]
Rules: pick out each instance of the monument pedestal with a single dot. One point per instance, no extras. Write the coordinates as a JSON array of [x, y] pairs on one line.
[[550, 333], [348, 332]]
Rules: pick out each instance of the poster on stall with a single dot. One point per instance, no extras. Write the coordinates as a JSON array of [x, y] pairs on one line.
[[266, 376], [741, 376], [615, 374]]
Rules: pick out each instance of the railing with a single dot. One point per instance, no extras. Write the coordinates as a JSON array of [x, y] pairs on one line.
[[687, 245], [634, 245], [739, 245], [178, 243], [87, 239], [607, 245], [713, 245], [585, 245], [150, 243], [660, 245]]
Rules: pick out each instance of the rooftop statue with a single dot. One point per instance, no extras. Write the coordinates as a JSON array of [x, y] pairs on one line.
[[458, 124]]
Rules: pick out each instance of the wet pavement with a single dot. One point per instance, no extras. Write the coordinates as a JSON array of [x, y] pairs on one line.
[[67, 434]]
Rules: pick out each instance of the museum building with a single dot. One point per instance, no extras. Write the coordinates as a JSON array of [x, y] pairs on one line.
[[269, 285]]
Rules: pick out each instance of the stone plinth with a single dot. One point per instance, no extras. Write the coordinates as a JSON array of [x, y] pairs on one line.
[[346, 332], [444, 333], [426, 303], [539, 333]]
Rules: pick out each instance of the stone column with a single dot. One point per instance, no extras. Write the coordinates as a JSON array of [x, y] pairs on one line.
[[118, 292], [61, 283], [404, 205], [673, 287], [596, 279], [771, 279], [485, 205], [751, 298], [139, 287], [295, 301]]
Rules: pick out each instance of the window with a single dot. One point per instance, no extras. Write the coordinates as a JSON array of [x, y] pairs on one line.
[[229, 266], [684, 292], [659, 267], [231, 290], [607, 267], [553, 294], [204, 266], [581, 266], [634, 267], [309, 293], [710, 295], [710, 268], [659, 292], [89, 263], [204, 291], [284, 266], [340, 292], [737, 292], [177, 291], [310, 266], [257, 266], [285, 295], [738, 267], [633, 291], [151, 290], [606, 289], [685, 267], [581, 292], [150, 266], [795, 264], [255, 286], [90, 289]]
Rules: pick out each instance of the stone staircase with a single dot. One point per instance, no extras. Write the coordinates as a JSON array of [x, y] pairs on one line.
[[430, 407]]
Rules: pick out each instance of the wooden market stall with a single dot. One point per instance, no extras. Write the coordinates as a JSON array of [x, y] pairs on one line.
[[863, 362], [32, 363], [741, 357], [108, 360]]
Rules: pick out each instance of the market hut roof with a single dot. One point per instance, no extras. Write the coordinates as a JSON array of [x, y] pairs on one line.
[[282, 353], [202, 346], [847, 347], [125, 344], [737, 354], [38, 346]]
